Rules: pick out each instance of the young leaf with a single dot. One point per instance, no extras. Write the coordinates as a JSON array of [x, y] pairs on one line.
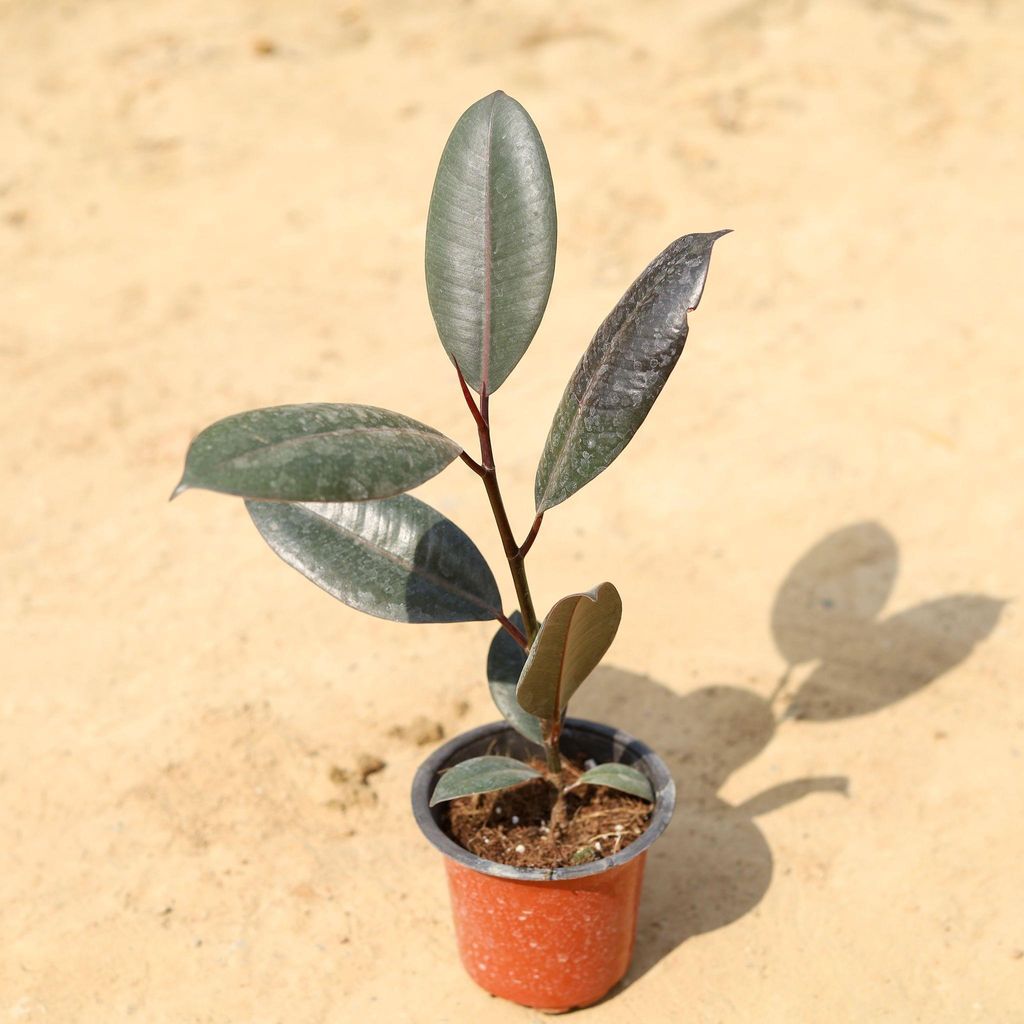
[[316, 453], [623, 370], [571, 641], [490, 253], [481, 775], [396, 558], [505, 661], [618, 776]]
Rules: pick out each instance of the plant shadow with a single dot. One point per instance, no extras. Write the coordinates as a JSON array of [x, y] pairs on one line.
[[713, 864]]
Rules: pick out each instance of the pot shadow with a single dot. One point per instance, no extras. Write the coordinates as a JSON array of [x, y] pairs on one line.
[[714, 865]]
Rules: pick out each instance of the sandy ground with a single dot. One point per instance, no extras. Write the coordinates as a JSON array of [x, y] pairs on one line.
[[211, 206]]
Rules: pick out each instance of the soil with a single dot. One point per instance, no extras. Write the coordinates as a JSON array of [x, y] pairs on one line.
[[514, 826]]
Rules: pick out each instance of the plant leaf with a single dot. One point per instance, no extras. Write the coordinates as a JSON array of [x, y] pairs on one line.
[[618, 776], [316, 453], [396, 558], [623, 370], [481, 775], [505, 661], [571, 641], [491, 228]]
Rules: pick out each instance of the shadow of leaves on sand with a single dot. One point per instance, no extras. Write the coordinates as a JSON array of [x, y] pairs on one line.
[[714, 864], [827, 610]]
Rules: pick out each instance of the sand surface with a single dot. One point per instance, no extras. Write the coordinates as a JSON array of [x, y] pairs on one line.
[[211, 206]]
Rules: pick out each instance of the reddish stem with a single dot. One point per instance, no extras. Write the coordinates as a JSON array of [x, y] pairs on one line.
[[486, 471], [481, 423], [530, 537], [516, 635]]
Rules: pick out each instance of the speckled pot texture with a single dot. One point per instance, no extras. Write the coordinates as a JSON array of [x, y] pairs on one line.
[[554, 939]]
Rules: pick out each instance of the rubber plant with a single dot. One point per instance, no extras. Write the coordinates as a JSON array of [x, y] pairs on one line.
[[326, 484]]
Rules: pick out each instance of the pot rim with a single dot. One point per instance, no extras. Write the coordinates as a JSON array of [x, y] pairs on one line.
[[644, 758]]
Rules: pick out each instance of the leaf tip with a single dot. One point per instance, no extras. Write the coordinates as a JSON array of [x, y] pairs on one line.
[[182, 487], [704, 244]]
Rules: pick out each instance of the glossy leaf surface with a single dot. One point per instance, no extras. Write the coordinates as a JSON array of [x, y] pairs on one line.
[[316, 453], [481, 775], [571, 641], [397, 558], [505, 661], [490, 253], [623, 370], [618, 776]]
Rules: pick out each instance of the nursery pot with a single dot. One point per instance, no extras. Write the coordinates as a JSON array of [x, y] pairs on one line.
[[554, 939]]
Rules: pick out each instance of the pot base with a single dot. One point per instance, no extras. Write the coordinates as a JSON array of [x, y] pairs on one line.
[[556, 945]]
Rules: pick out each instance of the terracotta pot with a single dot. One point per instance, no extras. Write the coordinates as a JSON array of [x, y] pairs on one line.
[[550, 939]]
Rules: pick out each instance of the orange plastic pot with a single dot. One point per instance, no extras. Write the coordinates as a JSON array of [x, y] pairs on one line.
[[555, 939]]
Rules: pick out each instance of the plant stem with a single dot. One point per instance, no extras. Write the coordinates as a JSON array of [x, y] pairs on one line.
[[515, 561], [557, 821], [515, 554], [466, 394], [516, 635], [472, 463], [531, 536], [551, 731]]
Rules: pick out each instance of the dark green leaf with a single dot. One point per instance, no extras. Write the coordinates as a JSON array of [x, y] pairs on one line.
[[623, 370], [397, 558], [481, 775], [571, 641], [490, 254], [316, 453], [618, 776], [505, 661]]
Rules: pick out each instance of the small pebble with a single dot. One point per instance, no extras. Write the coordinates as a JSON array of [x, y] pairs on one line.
[[597, 846], [520, 848], [589, 763], [369, 764], [618, 828], [544, 828], [421, 731], [487, 841], [515, 819], [497, 810]]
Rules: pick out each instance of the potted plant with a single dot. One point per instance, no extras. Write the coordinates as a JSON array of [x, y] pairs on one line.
[[544, 905]]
